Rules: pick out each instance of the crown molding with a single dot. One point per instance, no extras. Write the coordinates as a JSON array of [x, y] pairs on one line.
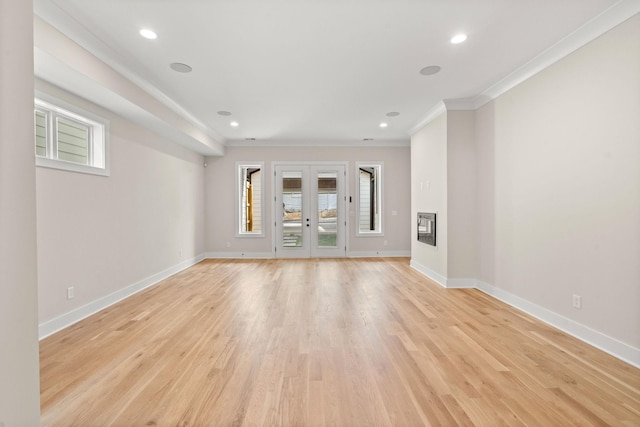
[[319, 143], [461, 104], [610, 18], [49, 12], [431, 115]]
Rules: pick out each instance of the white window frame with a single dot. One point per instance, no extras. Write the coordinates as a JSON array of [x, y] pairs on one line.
[[238, 190], [98, 149], [379, 231]]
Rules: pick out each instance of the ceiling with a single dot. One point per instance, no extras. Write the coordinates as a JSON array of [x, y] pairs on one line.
[[316, 70]]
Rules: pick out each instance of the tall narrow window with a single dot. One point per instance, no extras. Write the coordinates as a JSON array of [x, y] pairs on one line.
[[369, 199], [250, 199]]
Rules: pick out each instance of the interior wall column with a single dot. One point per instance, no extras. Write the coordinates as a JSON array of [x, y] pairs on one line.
[[19, 372]]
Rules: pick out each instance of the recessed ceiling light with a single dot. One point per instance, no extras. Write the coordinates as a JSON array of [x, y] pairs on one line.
[[383, 125], [430, 70], [234, 124], [181, 68], [367, 139], [250, 139], [224, 113], [393, 114], [148, 34], [458, 38]]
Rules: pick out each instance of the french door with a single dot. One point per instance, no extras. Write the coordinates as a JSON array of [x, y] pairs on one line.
[[310, 211]]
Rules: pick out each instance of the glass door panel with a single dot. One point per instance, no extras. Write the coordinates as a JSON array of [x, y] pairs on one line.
[[327, 209], [310, 218], [292, 212], [292, 236], [328, 221]]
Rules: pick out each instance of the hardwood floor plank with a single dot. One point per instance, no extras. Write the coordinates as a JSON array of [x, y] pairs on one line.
[[324, 342]]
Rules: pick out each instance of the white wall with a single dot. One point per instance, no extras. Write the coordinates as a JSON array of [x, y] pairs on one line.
[[103, 234], [560, 186], [556, 195], [220, 199], [429, 194], [462, 256], [19, 381]]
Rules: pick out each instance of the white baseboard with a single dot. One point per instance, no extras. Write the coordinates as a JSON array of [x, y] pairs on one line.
[[267, 255], [54, 325], [378, 254], [610, 345], [597, 339], [439, 279], [461, 283], [443, 281], [238, 255]]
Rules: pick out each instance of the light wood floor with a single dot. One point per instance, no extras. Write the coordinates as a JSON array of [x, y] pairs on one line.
[[325, 342]]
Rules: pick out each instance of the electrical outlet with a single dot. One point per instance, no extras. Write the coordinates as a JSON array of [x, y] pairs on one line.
[[577, 301], [71, 292], [228, 244]]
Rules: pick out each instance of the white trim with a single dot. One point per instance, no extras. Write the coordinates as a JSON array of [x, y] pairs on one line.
[[54, 325], [270, 255], [615, 15], [460, 104], [378, 254], [461, 284], [610, 345], [436, 277], [435, 112], [44, 162], [319, 143], [610, 18], [592, 337], [101, 55], [238, 255]]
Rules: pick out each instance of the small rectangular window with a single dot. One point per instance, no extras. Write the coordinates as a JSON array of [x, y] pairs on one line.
[[70, 139]]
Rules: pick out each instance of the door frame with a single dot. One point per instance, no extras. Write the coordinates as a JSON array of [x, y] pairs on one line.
[[274, 190]]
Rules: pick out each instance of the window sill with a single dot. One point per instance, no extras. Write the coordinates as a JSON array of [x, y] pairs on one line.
[[371, 234], [44, 162], [254, 235]]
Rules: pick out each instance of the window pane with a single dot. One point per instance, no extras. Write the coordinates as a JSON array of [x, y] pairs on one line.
[[369, 191], [292, 209], [41, 133], [73, 141], [367, 220], [250, 199], [327, 209]]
